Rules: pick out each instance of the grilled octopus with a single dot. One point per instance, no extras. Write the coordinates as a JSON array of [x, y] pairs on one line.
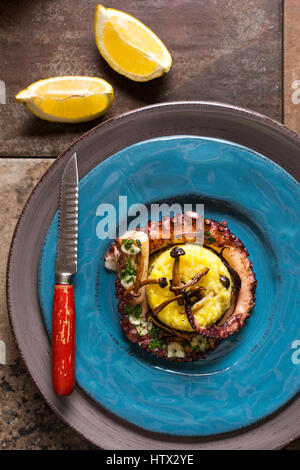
[[219, 239]]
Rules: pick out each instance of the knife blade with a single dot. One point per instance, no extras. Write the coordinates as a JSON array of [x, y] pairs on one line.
[[63, 313]]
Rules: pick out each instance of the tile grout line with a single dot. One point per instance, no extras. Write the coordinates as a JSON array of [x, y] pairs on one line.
[[27, 157]]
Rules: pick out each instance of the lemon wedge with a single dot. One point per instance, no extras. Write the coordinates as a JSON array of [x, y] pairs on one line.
[[129, 46], [68, 99]]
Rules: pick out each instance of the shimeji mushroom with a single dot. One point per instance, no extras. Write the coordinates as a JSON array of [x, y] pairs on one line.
[[162, 282]]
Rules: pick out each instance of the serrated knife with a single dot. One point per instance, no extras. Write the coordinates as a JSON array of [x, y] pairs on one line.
[[63, 313]]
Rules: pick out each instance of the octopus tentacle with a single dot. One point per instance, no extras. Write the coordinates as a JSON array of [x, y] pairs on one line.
[[233, 253]]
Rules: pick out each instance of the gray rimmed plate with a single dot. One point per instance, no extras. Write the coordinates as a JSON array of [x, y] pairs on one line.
[[206, 119]]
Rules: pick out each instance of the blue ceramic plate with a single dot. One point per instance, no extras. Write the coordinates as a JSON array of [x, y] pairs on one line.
[[249, 375]]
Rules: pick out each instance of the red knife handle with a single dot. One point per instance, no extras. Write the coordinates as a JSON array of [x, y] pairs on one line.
[[63, 339]]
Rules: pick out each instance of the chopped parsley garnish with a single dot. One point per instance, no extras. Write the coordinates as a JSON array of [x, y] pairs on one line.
[[210, 239], [157, 344], [135, 310], [157, 340], [128, 271], [155, 332], [127, 243]]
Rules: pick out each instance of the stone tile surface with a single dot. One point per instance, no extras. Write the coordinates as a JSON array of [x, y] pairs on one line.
[[26, 421], [223, 50], [292, 65]]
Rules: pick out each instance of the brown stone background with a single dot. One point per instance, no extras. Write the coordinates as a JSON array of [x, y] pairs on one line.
[[291, 63], [223, 50]]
